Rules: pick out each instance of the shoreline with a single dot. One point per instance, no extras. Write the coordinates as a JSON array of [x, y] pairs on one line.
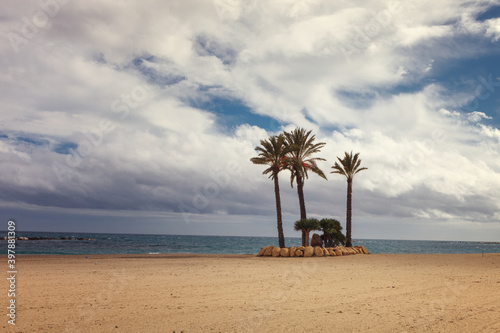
[[181, 255], [245, 293]]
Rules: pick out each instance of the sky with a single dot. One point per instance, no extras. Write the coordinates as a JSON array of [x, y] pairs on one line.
[[142, 116]]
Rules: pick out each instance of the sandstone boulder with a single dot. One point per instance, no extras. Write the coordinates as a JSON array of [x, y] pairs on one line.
[[301, 248], [331, 252], [309, 251], [299, 253], [276, 251], [316, 240], [318, 251], [292, 251], [338, 252], [285, 252], [365, 251], [261, 252], [268, 251]]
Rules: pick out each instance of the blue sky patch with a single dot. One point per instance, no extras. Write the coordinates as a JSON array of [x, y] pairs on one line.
[[32, 141], [65, 148], [233, 112], [492, 12]]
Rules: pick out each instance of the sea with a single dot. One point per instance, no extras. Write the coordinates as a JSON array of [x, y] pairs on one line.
[[158, 244]]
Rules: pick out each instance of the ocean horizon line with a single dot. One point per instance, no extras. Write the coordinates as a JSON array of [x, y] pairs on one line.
[[246, 236]]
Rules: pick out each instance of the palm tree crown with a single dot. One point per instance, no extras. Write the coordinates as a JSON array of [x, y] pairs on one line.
[[302, 147], [349, 165], [272, 152]]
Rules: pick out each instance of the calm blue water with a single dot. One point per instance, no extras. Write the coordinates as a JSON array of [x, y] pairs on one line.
[[134, 244]]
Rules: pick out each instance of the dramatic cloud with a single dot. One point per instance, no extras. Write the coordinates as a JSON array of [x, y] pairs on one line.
[[153, 109]]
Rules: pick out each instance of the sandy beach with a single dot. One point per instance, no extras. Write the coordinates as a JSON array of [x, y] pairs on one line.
[[228, 293]]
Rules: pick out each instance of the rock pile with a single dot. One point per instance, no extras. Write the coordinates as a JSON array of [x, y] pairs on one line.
[[50, 238], [310, 251]]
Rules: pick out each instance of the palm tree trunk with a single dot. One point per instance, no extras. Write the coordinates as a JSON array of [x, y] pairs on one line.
[[281, 237], [302, 204], [307, 237], [300, 192], [349, 213]]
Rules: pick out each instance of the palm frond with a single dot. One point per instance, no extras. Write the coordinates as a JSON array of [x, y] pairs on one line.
[[349, 165], [272, 152], [302, 147]]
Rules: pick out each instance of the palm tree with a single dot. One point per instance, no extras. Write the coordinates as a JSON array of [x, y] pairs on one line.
[[272, 152], [332, 232], [349, 166], [302, 147], [306, 225]]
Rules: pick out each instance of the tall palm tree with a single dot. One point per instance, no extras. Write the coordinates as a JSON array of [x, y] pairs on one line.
[[272, 152], [349, 166], [300, 162], [306, 226]]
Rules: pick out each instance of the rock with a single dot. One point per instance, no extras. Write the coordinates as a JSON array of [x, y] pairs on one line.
[[285, 252], [325, 251], [276, 251], [318, 251], [316, 240], [309, 251], [331, 252], [301, 248], [365, 251], [292, 251], [261, 252], [268, 251], [338, 252], [299, 253]]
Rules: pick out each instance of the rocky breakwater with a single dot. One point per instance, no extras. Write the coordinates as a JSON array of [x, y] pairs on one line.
[[311, 251], [51, 238]]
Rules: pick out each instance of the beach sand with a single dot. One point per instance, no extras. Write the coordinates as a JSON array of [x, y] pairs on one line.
[[227, 293]]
